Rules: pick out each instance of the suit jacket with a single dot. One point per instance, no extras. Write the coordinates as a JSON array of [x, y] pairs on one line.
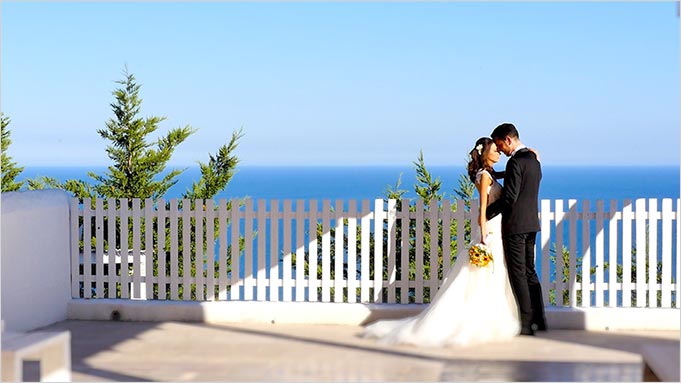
[[518, 204]]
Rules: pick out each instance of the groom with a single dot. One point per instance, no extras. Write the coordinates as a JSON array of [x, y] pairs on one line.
[[520, 224]]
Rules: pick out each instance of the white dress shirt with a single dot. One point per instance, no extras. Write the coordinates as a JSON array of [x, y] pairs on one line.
[[518, 148]]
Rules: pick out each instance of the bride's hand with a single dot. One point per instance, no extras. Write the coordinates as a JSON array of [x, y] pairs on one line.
[[536, 153], [483, 239]]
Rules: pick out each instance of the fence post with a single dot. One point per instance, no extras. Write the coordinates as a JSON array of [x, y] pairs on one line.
[[352, 251], [392, 233], [136, 248], [339, 253], [87, 249], [613, 285], [627, 217], [300, 250], [667, 216], [326, 251], [147, 291], [313, 283], [404, 251], [419, 251], [379, 216], [545, 223], [560, 262], [586, 254], [599, 254], [653, 218], [275, 281], [161, 248], [641, 216], [261, 236], [75, 248], [210, 249]]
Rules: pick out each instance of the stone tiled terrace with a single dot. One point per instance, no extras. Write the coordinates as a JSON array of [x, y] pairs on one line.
[[192, 351]]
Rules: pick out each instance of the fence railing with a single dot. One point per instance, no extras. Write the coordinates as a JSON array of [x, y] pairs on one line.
[[392, 251]]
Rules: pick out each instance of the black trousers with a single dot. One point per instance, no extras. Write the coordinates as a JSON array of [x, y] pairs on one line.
[[519, 254]]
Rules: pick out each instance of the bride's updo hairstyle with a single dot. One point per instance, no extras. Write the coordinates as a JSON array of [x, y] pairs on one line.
[[478, 155]]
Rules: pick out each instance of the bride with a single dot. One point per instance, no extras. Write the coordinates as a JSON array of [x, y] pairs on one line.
[[474, 304]]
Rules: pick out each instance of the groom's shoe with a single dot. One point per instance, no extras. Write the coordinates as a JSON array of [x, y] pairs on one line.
[[539, 327], [526, 331]]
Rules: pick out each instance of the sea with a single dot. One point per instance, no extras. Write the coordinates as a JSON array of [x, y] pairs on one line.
[[371, 182]]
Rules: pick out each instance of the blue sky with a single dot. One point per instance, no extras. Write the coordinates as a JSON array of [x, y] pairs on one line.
[[333, 83]]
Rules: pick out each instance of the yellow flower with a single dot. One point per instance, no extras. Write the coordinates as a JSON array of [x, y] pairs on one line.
[[479, 255]]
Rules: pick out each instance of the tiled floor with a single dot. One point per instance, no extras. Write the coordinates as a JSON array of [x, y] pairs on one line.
[[176, 351]]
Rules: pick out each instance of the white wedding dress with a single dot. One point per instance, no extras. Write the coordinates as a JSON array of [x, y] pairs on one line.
[[474, 304]]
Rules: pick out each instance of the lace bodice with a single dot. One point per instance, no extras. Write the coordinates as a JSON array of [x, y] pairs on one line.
[[495, 188]]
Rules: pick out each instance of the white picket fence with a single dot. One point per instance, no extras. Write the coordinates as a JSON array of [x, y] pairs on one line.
[[278, 246]]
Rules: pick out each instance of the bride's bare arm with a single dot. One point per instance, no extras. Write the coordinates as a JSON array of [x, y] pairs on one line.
[[483, 189]]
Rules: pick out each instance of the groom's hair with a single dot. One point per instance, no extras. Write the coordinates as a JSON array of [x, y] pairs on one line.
[[505, 130]]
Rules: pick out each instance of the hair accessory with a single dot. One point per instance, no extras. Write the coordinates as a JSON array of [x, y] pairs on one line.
[[479, 149]]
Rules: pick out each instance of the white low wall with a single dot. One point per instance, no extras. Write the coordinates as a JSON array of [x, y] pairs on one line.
[[347, 313], [35, 273]]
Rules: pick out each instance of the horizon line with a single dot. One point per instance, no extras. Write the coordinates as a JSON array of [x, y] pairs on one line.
[[196, 165]]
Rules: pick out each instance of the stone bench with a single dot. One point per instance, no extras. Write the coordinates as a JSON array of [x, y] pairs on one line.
[[51, 349]]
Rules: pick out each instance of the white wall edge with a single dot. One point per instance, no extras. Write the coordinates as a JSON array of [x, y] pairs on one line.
[[348, 313], [35, 272]]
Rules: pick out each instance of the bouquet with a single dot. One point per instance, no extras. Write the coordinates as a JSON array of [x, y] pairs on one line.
[[479, 255]]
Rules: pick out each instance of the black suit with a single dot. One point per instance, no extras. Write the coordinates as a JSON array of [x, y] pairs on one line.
[[518, 206]]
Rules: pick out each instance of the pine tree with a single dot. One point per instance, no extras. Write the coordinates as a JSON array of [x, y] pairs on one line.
[[136, 162], [217, 173], [427, 188], [10, 170]]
